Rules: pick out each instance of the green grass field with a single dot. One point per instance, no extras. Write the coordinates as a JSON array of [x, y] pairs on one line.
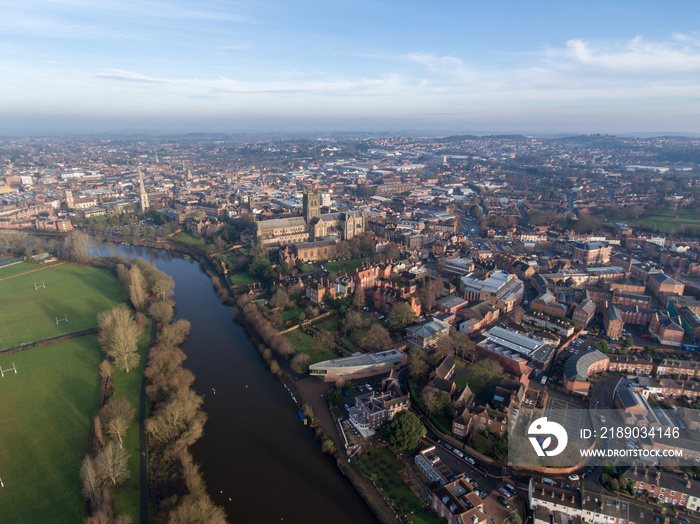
[[670, 221], [345, 265], [305, 345], [28, 314], [243, 278], [45, 427]]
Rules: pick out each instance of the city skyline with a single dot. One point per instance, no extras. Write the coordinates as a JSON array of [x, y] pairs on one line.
[[75, 66]]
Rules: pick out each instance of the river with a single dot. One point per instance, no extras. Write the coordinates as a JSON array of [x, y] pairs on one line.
[[259, 461]]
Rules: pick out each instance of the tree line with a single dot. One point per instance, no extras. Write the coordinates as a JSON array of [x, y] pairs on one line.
[[177, 489]]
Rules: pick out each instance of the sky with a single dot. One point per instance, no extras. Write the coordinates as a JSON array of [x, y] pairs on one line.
[[535, 67]]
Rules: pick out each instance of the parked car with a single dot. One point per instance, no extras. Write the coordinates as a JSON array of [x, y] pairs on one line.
[[369, 388], [573, 478], [503, 501], [470, 460], [504, 491], [458, 453]]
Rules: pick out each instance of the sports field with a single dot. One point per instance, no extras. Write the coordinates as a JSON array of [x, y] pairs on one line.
[[33, 296], [45, 426]]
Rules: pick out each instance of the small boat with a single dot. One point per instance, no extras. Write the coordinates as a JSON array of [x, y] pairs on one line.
[[301, 415]]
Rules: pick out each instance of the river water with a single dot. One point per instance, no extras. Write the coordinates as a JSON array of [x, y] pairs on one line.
[[259, 461]]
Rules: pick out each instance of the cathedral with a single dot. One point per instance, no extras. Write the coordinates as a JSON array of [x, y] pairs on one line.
[[312, 228]]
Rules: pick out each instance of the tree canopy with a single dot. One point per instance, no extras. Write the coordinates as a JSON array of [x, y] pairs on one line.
[[404, 432]]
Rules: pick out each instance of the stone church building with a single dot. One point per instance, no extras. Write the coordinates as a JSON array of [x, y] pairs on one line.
[[314, 233]]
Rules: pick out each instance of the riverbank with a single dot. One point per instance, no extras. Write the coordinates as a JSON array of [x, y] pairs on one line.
[[251, 428]]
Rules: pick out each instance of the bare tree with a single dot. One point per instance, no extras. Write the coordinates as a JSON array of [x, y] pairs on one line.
[[376, 339], [111, 464], [90, 478], [118, 334], [172, 418], [417, 365], [174, 334], [300, 363], [280, 299], [117, 415], [324, 341], [358, 298], [99, 431], [197, 510], [401, 315], [353, 321], [78, 246], [137, 287], [429, 400], [163, 287], [106, 369], [161, 311]]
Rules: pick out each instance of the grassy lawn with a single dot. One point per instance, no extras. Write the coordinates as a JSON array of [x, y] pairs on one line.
[[241, 279], [344, 265], [78, 292], [128, 385], [332, 324], [476, 383], [668, 221], [24, 267], [45, 429], [305, 345], [383, 467], [291, 314], [187, 239]]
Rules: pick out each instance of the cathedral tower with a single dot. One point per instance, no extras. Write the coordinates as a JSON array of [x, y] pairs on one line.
[[311, 205]]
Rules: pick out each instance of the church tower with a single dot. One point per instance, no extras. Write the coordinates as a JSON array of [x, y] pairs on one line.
[[70, 204], [311, 205], [142, 193]]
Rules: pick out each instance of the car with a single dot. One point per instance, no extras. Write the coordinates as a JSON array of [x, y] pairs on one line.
[[458, 453], [346, 393], [347, 407], [386, 320], [602, 419], [369, 388], [481, 469], [574, 477], [505, 492], [366, 308], [447, 446], [470, 460], [380, 317], [512, 489], [503, 501], [359, 388]]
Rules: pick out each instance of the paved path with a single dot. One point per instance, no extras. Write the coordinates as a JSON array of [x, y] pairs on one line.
[[143, 462]]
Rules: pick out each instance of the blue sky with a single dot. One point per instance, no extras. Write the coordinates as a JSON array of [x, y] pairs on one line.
[[503, 66]]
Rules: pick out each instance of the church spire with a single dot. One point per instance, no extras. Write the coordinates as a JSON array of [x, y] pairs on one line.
[[142, 193]]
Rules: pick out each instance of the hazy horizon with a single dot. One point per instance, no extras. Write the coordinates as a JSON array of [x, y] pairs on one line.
[[73, 66]]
